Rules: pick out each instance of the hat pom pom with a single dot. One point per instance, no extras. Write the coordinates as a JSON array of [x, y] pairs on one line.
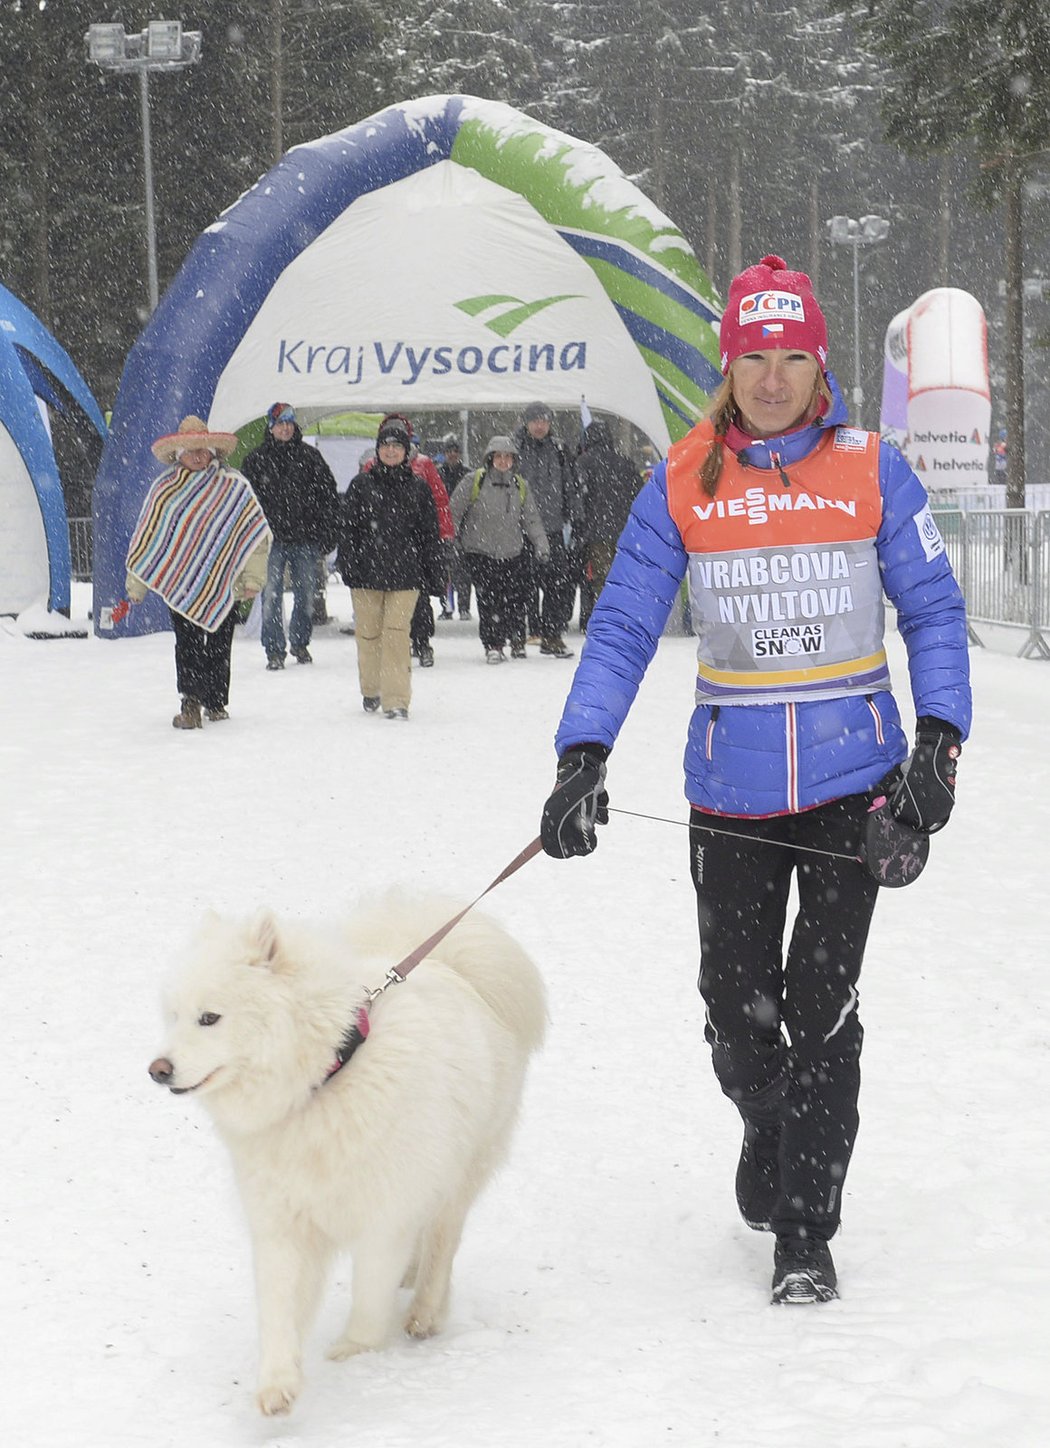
[[775, 263]]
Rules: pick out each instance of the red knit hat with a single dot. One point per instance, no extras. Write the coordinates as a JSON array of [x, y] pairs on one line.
[[771, 308]]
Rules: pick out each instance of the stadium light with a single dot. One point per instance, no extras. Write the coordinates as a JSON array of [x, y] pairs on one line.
[[846, 231], [163, 45]]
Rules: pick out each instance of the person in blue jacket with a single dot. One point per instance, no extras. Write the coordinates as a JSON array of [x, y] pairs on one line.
[[792, 528]]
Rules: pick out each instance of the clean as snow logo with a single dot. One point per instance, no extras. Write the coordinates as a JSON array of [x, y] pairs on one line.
[[513, 311], [787, 640], [771, 307]]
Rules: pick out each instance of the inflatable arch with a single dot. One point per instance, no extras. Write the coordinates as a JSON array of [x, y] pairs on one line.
[[35, 372], [445, 253], [936, 399]]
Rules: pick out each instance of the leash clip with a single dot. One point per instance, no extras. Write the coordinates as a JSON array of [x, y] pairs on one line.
[[392, 978]]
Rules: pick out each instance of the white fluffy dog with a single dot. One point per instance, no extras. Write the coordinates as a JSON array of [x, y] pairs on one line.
[[381, 1158]]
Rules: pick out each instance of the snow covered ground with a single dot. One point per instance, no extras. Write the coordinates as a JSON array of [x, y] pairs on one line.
[[606, 1293]]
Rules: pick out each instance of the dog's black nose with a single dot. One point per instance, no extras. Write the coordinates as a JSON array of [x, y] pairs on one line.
[[162, 1070]]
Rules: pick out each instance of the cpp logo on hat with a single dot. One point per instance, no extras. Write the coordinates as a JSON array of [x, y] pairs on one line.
[[771, 307]]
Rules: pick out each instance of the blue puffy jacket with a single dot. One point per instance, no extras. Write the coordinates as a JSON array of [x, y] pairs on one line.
[[767, 759]]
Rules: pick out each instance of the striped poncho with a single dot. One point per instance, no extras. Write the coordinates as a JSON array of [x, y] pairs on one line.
[[194, 535]]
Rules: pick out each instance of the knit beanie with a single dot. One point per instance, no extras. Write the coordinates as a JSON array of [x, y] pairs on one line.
[[393, 429], [771, 308], [279, 412]]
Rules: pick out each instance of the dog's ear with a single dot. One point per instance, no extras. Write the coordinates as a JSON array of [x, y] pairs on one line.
[[266, 944]]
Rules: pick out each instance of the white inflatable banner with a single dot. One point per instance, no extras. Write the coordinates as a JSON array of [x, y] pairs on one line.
[[936, 400]]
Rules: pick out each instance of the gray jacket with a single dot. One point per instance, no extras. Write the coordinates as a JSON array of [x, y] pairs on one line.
[[546, 467], [496, 521]]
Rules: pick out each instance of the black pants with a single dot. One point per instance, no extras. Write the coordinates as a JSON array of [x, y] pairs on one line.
[[558, 579], [784, 1031], [500, 585], [461, 581], [422, 625], [202, 660]]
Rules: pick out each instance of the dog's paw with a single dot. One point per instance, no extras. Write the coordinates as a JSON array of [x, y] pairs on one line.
[[275, 1401], [345, 1347], [423, 1324], [276, 1398]]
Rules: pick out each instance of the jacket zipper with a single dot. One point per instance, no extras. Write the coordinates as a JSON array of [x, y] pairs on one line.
[[791, 748]]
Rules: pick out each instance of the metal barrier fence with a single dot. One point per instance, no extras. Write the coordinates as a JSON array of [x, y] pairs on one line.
[[80, 554], [1001, 558]]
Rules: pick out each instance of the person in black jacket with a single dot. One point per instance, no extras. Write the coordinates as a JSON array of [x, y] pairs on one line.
[[298, 494], [389, 543], [609, 483], [545, 466], [453, 470]]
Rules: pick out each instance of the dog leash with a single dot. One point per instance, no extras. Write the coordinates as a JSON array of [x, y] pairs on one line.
[[397, 973], [892, 853], [736, 835], [357, 1033]]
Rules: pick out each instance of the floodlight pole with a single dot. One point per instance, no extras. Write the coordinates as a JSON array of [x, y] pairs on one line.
[[858, 386], [846, 231], [163, 45], [147, 171]]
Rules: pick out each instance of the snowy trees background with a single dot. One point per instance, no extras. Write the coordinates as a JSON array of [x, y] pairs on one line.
[[749, 121]]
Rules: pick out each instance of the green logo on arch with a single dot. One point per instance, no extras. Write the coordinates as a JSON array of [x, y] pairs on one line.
[[512, 311]]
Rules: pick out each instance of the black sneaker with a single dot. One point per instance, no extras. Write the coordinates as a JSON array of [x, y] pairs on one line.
[[758, 1176], [274, 662], [803, 1271], [425, 655], [555, 648], [371, 703], [517, 649], [396, 713], [302, 656]]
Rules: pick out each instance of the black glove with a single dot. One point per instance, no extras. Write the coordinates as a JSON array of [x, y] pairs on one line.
[[925, 796], [578, 803]]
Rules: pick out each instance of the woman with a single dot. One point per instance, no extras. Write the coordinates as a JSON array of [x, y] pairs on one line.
[[389, 543], [494, 511], [790, 525], [201, 542]]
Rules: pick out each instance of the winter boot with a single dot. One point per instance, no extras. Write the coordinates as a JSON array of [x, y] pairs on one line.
[[214, 716], [495, 656], [189, 716], [302, 656], [396, 714], [803, 1270], [555, 648], [425, 654], [371, 703], [274, 662], [758, 1175], [517, 649]]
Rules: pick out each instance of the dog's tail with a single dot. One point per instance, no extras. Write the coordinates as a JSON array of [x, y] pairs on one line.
[[478, 949]]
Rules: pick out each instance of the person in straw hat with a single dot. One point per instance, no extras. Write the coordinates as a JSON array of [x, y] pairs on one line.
[[201, 542]]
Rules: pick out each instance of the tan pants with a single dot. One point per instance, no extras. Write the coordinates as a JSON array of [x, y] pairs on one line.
[[384, 651]]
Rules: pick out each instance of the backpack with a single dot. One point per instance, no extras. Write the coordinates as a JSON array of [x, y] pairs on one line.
[[476, 489]]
